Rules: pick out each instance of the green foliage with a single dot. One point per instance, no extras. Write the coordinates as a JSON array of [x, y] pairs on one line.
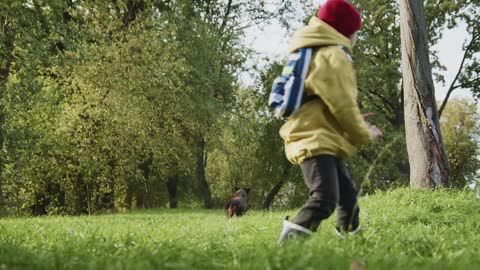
[[461, 133], [402, 229], [252, 153], [377, 61], [104, 101], [382, 165]]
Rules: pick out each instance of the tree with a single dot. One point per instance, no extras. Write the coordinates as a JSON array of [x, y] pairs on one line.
[[377, 61], [428, 161], [461, 129], [115, 104], [104, 101], [229, 19], [448, 14], [7, 37]]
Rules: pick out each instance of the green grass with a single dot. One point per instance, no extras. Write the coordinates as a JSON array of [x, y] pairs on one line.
[[403, 229]]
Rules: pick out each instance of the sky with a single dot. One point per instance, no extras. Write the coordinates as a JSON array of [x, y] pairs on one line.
[[270, 42], [451, 53]]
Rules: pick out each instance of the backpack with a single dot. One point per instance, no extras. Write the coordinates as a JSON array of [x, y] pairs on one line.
[[287, 94]]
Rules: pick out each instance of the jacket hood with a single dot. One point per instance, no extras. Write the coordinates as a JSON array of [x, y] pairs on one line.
[[317, 33]]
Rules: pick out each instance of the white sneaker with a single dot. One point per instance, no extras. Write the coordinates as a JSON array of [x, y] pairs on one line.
[[292, 230], [357, 230]]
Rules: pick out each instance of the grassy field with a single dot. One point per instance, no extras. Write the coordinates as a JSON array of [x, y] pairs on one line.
[[403, 229]]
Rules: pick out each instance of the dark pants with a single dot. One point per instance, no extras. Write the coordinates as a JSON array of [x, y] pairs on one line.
[[330, 187]]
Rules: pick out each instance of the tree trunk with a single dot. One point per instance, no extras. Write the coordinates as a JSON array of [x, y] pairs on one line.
[[147, 198], [276, 188], [110, 196], [83, 199], [271, 195], [202, 164], [2, 120], [146, 168], [41, 203], [172, 191], [9, 39], [133, 9], [426, 154]]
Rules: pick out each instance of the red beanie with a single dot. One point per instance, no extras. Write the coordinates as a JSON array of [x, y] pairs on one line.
[[341, 15]]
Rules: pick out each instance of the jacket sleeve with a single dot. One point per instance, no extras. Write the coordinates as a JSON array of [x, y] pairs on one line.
[[333, 79]]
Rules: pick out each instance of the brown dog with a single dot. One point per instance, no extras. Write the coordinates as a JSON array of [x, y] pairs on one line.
[[238, 204]]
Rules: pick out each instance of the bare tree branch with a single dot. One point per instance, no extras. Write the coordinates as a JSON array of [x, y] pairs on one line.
[[259, 19], [386, 101], [225, 16], [452, 85]]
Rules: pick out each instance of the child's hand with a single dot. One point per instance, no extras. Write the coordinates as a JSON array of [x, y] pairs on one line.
[[375, 132]]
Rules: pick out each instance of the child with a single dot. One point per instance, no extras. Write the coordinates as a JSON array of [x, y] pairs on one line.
[[324, 131]]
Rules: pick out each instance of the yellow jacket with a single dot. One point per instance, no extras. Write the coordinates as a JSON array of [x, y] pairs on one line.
[[333, 123]]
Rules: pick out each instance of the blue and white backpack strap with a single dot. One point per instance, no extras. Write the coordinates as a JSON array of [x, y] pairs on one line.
[[294, 98], [287, 90], [347, 52], [285, 82], [275, 98]]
